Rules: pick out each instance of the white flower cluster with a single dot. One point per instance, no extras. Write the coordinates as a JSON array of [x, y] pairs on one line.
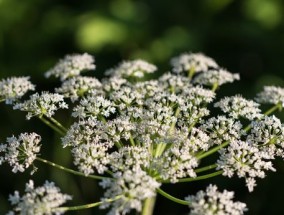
[[133, 186], [236, 106], [197, 62], [20, 152], [271, 95], [89, 146], [79, 86], [221, 129], [135, 68], [268, 133], [94, 106], [71, 65], [12, 89], [213, 202], [215, 77], [38, 200], [246, 160], [144, 133], [45, 104]]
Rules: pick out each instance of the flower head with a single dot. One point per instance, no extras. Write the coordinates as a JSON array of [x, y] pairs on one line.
[[14, 88], [45, 104], [271, 95], [237, 106], [133, 187], [197, 62], [20, 152], [94, 106], [221, 129], [90, 145], [79, 86], [212, 202], [135, 68], [215, 77], [246, 161], [72, 65], [39, 200]]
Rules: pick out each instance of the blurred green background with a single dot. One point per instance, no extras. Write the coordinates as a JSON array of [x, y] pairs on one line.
[[244, 36]]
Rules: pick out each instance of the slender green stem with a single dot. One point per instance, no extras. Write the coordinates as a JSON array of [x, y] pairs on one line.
[[209, 167], [86, 206], [48, 123], [71, 170], [58, 124], [170, 197], [132, 142], [202, 177], [215, 87], [272, 109], [213, 150], [148, 206], [198, 178], [191, 73]]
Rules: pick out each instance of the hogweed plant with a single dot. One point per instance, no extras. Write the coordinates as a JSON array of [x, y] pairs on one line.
[[134, 135]]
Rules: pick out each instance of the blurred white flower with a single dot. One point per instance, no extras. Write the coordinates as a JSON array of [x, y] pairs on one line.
[[215, 77], [12, 89], [197, 62], [38, 200], [271, 95], [135, 68], [71, 65]]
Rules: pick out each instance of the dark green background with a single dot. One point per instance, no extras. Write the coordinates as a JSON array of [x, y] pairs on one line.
[[244, 36]]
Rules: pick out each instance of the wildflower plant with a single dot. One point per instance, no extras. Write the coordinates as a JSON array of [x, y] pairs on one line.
[[133, 135]]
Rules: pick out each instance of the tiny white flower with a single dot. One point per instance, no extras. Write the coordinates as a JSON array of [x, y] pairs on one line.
[[44, 104], [213, 202], [20, 152], [12, 89], [39, 200], [71, 65]]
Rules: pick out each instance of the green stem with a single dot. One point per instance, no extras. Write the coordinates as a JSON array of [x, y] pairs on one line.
[[214, 87], [202, 169], [170, 197], [51, 125], [58, 124], [132, 142], [272, 109], [86, 206], [148, 206], [198, 178], [213, 150], [191, 73], [71, 170]]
